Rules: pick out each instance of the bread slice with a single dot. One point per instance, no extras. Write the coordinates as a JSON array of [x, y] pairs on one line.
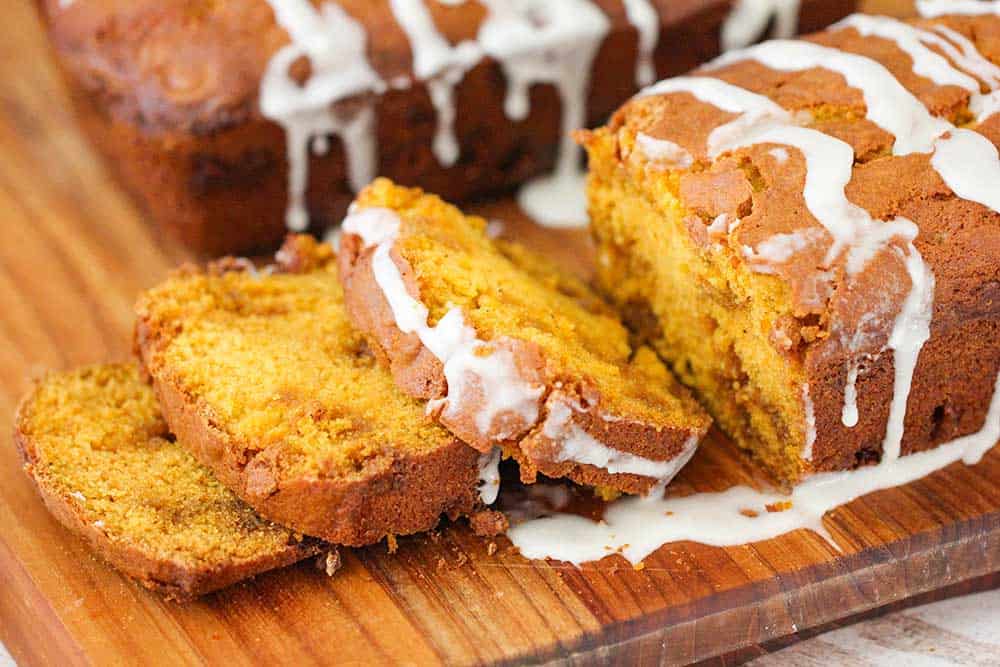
[[103, 461], [262, 376], [510, 351]]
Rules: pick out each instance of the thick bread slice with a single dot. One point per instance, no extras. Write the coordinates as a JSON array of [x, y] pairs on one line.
[[510, 351], [261, 375], [103, 461]]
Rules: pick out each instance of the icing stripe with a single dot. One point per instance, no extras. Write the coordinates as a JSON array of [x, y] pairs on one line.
[[749, 18], [473, 365], [335, 45], [555, 42], [646, 20], [575, 445], [663, 152], [985, 106], [953, 159], [489, 476], [968, 57], [889, 105], [810, 413], [913, 41], [440, 65]]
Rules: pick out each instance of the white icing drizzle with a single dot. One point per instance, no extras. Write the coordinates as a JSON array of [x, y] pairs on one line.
[[779, 248], [721, 226], [334, 44], [470, 364], [749, 18], [849, 413], [646, 20], [440, 65], [953, 158], [489, 476], [635, 527], [548, 41], [932, 8], [910, 331], [914, 42], [968, 57], [830, 163], [889, 105], [754, 110], [473, 364], [985, 106], [810, 418], [578, 446], [663, 152]]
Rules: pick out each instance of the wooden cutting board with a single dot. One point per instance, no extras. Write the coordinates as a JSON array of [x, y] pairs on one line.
[[74, 253]]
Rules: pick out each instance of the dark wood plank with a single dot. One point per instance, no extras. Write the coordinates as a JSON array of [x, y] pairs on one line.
[[75, 254]]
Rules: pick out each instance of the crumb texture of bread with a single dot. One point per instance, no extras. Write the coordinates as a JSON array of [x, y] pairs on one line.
[[101, 456], [280, 395], [564, 336], [767, 342]]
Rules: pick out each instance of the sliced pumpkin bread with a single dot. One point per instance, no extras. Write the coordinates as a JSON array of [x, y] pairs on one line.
[[262, 376], [106, 467], [510, 351]]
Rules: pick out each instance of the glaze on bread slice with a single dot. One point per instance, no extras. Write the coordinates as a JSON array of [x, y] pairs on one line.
[[262, 376], [100, 454], [508, 350]]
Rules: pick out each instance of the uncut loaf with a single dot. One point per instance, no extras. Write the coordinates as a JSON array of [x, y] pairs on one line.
[[226, 119]]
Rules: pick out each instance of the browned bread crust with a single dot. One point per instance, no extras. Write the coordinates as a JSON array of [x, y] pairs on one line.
[[179, 578], [637, 409], [395, 491], [762, 186], [168, 92]]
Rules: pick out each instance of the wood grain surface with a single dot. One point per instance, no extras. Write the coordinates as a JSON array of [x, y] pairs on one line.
[[73, 256]]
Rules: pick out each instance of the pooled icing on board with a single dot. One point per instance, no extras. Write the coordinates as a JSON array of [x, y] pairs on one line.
[[636, 527]]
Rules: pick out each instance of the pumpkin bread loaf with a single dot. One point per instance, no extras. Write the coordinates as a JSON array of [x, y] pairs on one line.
[[107, 468], [510, 352], [809, 232], [263, 378], [224, 116]]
